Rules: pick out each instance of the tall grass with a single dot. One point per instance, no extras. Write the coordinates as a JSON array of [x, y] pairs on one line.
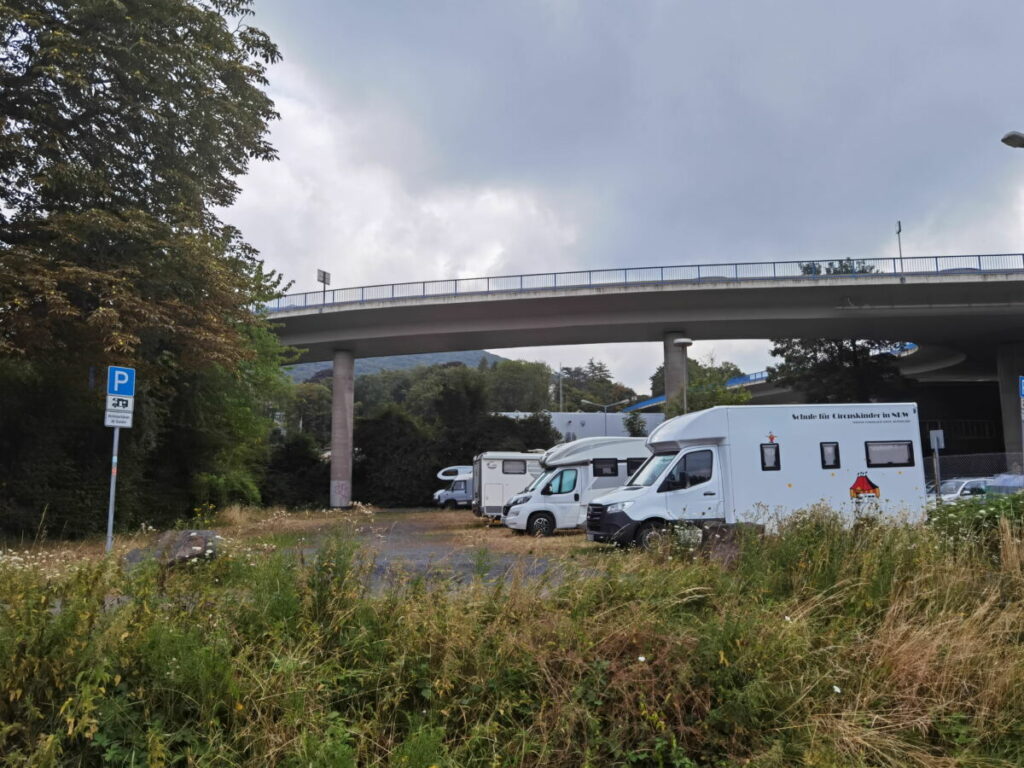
[[879, 645]]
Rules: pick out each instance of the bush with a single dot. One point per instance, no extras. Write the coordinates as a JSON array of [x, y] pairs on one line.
[[826, 645]]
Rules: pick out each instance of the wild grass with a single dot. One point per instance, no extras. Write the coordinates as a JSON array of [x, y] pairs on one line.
[[880, 645]]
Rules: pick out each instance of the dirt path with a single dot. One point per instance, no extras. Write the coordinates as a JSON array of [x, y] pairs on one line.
[[445, 543]]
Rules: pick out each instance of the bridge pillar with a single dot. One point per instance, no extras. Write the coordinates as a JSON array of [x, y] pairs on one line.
[[1009, 366], [675, 365], [342, 414]]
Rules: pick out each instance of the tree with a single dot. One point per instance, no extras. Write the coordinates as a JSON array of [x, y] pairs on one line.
[[635, 424], [123, 126], [591, 382], [836, 370], [708, 387], [516, 385], [838, 267]]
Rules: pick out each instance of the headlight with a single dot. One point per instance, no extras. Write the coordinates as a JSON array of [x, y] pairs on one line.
[[619, 506], [519, 500]]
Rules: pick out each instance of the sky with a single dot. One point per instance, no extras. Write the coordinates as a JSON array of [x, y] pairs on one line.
[[422, 140]]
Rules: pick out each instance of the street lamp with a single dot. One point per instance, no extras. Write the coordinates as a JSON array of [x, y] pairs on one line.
[[683, 345], [605, 409], [1014, 139]]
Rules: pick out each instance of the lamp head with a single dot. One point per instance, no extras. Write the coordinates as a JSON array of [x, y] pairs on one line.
[[1014, 139], [682, 342]]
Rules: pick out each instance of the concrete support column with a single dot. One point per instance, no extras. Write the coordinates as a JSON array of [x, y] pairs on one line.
[[342, 414], [1010, 365], [675, 365]]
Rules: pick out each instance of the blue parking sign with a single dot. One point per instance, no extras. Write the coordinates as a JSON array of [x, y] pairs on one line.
[[1020, 384], [120, 381]]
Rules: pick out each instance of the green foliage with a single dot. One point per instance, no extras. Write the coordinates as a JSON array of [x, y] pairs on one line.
[[837, 267], [977, 519], [591, 382], [635, 424], [836, 370], [297, 475], [707, 388], [124, 126], [822, 644], [516, 385], [394, 463]]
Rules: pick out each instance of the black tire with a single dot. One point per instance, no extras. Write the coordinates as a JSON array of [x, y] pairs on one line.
[[649, 533], [541, 524], [450, 504], [478, 512]]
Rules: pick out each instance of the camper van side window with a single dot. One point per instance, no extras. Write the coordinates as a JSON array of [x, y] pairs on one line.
[[890, 453], [513, 467], [632, 465], [830, 455], [693, 469], [606, 467], [770, 459]]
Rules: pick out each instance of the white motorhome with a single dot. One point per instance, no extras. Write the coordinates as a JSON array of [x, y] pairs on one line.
[[575, 474], [758, 463], [458, 493], [498, 475], [450, 473]]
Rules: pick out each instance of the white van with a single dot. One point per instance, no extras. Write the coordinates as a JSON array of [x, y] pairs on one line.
[[758, 463], [498, 475], [575, 474], [458, 493]]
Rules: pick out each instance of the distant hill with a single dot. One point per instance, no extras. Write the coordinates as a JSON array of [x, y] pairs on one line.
[[365, 365]]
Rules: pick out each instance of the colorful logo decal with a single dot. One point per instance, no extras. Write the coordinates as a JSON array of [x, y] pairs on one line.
[[771, 437], [863, 486]]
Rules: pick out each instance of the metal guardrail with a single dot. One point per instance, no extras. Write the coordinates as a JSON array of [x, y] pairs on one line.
[[693, 273]]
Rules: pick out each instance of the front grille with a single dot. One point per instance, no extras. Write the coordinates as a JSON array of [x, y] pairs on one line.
[[595, 512]]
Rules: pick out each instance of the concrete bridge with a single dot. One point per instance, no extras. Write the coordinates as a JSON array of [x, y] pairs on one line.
[[965, 312]]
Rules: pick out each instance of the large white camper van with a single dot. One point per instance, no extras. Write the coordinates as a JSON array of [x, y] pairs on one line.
[[497, 475], [758, 463], [575, 474]]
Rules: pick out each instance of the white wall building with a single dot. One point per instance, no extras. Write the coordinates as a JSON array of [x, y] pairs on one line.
[[574, 425]]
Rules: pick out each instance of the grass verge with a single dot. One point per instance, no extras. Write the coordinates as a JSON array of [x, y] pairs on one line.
[[880, 645]]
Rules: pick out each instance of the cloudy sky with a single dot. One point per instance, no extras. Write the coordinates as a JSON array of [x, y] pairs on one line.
[[426, 140]]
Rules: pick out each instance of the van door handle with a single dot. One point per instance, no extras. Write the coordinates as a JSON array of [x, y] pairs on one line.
[[709, 493], [576, 497]]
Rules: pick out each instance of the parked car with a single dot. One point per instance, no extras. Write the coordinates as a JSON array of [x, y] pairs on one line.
[[955, 488]]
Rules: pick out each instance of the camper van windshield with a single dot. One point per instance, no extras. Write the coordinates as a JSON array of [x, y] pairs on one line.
[[652, 468], [537, 481]]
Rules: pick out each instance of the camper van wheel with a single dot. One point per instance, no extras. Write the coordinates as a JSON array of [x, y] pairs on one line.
[[449, 504], [541, 524], [649, 533]]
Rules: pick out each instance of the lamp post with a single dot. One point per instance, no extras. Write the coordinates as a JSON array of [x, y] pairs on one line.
[[1015, 139], [683, 345], [605, 409]]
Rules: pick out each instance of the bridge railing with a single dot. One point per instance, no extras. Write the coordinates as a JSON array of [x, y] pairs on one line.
[[687, 273]]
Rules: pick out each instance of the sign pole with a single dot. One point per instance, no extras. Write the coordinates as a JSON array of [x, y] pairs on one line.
[[1020, 389], [113, 489], [937, 438], [119, 413]]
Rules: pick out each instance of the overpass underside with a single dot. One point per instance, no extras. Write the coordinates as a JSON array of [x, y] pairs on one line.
[[976, 318]]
